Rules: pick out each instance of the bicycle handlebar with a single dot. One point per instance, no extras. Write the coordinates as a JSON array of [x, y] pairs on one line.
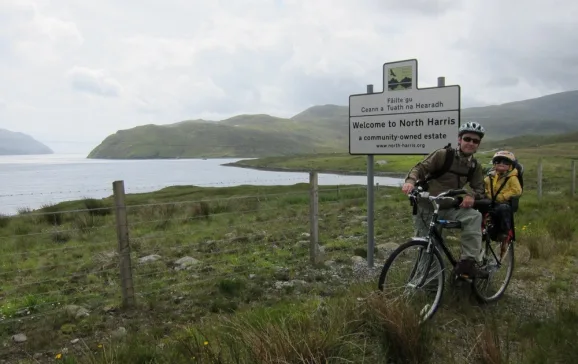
[[418, 192]]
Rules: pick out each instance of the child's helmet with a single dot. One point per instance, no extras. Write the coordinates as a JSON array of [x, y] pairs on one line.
[[504, 155]]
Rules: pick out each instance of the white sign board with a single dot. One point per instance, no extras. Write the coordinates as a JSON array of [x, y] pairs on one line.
[[403, 119]]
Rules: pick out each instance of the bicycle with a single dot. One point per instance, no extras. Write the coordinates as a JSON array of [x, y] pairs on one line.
[[429, 259]]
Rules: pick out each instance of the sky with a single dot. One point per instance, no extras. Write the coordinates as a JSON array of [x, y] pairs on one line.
[[73, 72]]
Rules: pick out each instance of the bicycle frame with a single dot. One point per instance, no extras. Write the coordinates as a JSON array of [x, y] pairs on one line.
[[435, 236], [441, 242]]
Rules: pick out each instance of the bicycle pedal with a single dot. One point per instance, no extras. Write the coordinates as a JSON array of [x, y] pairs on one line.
[[464, 277]]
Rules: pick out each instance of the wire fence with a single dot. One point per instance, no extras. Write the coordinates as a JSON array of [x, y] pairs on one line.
[[142, 250], [74, 258], [12, 201]]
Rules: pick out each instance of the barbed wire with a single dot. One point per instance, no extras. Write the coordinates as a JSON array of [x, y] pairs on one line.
[[244, 236], [115, 269], [56, 231], [163, 234], [48, 208], [305, 192], [138, 222], [111, 243], [141, 293], [67, 247]]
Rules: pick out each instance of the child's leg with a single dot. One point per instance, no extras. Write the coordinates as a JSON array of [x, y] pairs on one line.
[[505, 216]]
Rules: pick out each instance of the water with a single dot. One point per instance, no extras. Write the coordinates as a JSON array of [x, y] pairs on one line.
[[31, 181]]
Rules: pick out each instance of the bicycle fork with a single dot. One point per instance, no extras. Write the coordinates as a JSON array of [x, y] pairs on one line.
[[423, 265]]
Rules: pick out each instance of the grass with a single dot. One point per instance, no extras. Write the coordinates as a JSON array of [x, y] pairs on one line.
[[250, 294]]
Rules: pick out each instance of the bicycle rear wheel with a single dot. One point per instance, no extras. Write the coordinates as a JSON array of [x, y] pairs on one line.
[[500, 273], [416, 274]]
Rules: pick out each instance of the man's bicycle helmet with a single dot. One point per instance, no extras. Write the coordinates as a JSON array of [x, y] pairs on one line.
[[472, 127]]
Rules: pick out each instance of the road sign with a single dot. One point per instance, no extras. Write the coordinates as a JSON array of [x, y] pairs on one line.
[[403, 119]]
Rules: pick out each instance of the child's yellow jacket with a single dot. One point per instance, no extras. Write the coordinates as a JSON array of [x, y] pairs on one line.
[[511, 189]]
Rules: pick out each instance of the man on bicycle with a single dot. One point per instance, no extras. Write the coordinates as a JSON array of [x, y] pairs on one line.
[[460, 172]]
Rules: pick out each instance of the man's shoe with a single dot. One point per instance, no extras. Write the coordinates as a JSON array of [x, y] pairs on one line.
[[464, 268], [480, 272], [468, 268]]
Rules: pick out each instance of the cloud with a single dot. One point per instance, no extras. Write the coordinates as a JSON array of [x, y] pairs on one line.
[[162, 62], [533, 48], [28, 34], [94, 82], [503, 81], [418, 7]]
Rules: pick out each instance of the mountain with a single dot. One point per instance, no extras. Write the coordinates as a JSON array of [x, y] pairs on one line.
[[239, 136], [318, 129], [550, 114], [534, 141], [16, 143]]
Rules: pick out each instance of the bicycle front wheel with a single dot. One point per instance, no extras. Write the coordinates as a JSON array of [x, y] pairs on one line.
[[411, 272]]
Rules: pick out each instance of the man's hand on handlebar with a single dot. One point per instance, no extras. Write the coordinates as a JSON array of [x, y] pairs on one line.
[[467, 202], [407, 187]]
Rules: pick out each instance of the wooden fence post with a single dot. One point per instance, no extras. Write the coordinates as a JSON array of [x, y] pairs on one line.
[[539, 178], [128, 299], [313, 217], [573, 179]]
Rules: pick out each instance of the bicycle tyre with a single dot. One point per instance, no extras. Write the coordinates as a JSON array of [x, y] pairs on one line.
[[436, 255], [480, 296]]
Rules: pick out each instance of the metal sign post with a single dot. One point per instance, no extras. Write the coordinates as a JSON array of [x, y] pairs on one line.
[[370, 200]]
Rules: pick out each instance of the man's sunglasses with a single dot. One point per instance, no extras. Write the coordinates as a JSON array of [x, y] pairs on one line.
[[473, 140]]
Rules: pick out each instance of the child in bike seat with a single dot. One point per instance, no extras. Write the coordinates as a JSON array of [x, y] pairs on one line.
[[501, 185]]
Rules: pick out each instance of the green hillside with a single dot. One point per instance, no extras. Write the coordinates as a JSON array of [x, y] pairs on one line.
[[530, 141], [550, 114], [239, 136], [319, 129], [16, 143]]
